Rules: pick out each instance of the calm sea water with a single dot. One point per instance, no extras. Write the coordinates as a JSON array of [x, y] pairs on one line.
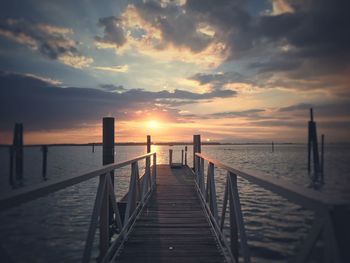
[[54, 228]]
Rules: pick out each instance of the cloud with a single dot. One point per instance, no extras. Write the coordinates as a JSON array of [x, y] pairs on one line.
[[114, 35], [113, 88], [41, 105], [219, 80], [51, 41], [163, 31], [115, 69], [300, 106]]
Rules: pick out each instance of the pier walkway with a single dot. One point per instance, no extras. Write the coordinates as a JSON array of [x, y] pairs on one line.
[[172, 213], [172, 226]]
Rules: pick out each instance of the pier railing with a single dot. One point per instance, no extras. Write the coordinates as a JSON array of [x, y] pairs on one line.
[[322, 227], [104, 216]]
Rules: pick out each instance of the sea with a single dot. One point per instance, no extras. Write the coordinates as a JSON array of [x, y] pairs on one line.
[[54, 228]]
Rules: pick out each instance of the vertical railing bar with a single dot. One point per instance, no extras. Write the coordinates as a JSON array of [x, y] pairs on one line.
[[155, 169], [148, 165], [214, 205], [239, 218], [104, 220], [310, 241], [144, 184], [114, 204], [331, 241], [224, 206], [138, 194], [208, 186], [131, 194], [94, 219], [202, 177], [233, 220]]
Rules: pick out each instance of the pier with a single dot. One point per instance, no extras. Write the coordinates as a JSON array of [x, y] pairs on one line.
[[171, 213]]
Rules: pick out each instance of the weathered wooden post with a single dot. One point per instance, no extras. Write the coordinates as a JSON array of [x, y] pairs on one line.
[[93, 148], [182, 157], [106, 215], [313, 147], [196, 149], [170, 157], [148, 143], [185, 155], [17, 152], [272, 147], [44, 150], [322, 157], [11, 153]]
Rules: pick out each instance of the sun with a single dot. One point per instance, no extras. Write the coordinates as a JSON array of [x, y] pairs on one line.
[[153, 124]]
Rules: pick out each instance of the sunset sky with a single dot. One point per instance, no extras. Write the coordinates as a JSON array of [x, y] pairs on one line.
[[235, 71]]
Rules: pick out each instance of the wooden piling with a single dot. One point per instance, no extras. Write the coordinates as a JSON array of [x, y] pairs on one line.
[[106, 216], [272, 147], [44, 150], [11, 155], [170, 157], [185, 155], [148, 143], [322, 157], [93, 148], [313, 147], [18, 150], [196, 148]]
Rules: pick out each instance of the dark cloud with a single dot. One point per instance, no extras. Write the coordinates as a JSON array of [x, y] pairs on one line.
[[248, 114], [176, 26], [234, 114], [113, 88], [218, 80], [51, 41], [335, 109], [308, 41], [42, 105], [113, 31]]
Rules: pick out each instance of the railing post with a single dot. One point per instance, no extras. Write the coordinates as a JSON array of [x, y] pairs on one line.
[[201, 173], [233, 221], [239, 221], [148, 143], [170, 157], [154, 169], [104, 219]]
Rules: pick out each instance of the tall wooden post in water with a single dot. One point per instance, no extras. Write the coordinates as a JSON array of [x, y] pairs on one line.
[[44, 150], [313, 147], [16, 154], [106, 216], [148, 143], [196, 148]]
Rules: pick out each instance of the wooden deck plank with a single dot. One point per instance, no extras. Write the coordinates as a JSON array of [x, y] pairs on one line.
[[172, 226]]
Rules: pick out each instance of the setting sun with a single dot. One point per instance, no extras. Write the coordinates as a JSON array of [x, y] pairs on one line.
[[153, 124]]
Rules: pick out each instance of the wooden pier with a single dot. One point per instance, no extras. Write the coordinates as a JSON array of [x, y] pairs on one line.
[[173, 226], [171, 212]]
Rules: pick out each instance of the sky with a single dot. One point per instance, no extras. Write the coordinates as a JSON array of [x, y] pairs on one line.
[[230, 70]]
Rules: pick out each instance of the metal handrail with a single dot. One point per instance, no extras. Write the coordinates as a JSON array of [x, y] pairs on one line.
[[307, 198], [30, 193], [140, 189]]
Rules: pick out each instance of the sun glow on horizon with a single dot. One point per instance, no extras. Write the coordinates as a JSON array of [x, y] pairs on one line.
[[153, 124]]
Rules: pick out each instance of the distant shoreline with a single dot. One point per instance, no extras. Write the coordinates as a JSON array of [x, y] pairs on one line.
[[156, 143]]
